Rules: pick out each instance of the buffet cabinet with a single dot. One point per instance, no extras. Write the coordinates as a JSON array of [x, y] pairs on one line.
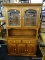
[[22, 23], [21, 47]]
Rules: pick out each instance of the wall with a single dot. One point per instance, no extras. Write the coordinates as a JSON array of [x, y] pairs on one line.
[[36, 1]]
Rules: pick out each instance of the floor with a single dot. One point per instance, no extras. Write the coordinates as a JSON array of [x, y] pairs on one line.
[[19, 58]]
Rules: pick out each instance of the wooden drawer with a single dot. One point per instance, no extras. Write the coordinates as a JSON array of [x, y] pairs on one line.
[[14, 41], [28, 41]]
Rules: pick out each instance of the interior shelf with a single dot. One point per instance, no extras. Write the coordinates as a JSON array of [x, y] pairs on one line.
[[22, 32], [22, 37]]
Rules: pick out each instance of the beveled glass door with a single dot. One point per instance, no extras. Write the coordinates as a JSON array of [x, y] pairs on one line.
[[30, 16], [14, 18]]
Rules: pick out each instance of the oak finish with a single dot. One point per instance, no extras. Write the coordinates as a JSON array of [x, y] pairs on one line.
[[22, 40]]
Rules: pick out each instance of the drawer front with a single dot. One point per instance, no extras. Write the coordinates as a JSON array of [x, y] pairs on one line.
[[28, 41], [14, 41]]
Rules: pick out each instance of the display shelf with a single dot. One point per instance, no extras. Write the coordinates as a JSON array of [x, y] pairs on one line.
[[27, 37], [42, 30], [42, 36]]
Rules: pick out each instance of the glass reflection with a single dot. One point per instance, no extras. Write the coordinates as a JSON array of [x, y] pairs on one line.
[[30, 17], [13, 17]]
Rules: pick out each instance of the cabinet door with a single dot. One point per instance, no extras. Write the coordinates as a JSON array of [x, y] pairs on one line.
[[31, 49], [12, 49], [14, 17], [21, 49], [30, 16]]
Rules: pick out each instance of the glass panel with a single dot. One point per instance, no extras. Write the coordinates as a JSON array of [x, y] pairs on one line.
[[14, 18], [30, 17]]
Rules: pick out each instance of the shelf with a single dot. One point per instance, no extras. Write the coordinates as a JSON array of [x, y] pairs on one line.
[[42, 29], [22, 37], [42, 36], [23, 27]]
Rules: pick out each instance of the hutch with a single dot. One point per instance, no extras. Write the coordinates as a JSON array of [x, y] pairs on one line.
[[22, 24]]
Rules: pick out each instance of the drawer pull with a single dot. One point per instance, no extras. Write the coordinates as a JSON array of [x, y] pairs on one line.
[[29, 42], [14, 41], [25, 50], [23, 18], [15, 49]]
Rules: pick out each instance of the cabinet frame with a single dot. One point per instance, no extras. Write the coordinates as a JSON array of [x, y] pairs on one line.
[[23, 44], [33, 8], [12, 8]]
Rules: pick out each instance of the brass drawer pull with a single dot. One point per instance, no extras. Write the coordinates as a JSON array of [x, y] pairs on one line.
[[25, 50], [15, 49], [29, 42], [14, 41]]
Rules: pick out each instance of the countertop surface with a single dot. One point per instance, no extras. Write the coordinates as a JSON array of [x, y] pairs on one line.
[[42, 35]]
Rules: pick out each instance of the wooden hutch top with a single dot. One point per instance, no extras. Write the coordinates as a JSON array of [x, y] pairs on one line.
[[22, 34], [14, 4]]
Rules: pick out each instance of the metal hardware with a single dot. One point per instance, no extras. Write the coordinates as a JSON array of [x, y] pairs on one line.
[[29, 42], [25, 50], [15, 49], [14, 41]]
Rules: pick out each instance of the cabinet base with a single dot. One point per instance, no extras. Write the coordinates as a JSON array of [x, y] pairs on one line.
[[32, 55]]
